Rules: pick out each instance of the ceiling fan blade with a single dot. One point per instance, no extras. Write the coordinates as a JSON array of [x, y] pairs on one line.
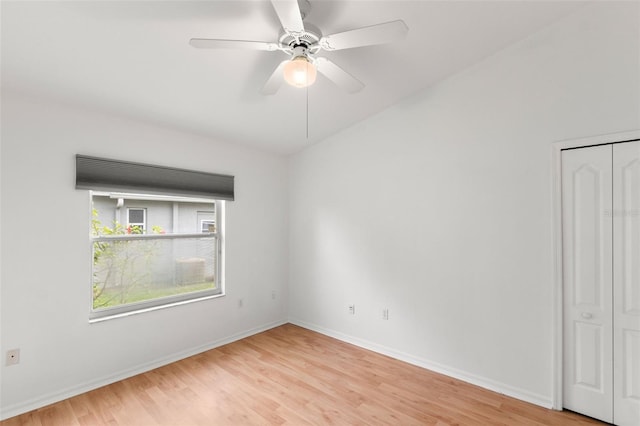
[[339, 76], [366, 36], [288, 12], [208, 43], [275, 80]]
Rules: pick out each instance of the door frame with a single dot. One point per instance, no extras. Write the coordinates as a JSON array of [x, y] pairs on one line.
[[556, 158]]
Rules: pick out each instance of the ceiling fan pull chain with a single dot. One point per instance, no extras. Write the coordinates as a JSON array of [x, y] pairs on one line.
[[307, 112]]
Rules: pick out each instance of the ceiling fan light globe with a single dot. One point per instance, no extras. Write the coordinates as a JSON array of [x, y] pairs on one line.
[[300, 72]]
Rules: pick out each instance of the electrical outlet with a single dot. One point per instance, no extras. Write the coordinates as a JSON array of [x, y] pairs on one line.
[[273, 294], [13, 357], [352, 309], [240, 303], [385, 314]]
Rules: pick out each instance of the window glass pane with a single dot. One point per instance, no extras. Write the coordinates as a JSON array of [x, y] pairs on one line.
[[129, 271]]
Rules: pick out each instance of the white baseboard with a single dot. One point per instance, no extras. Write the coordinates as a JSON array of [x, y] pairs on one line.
[[62, 394], [483, 382]]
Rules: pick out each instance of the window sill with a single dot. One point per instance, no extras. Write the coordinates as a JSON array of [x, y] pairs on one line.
[[152, 308]]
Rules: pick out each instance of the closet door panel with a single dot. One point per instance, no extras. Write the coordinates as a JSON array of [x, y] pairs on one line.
[[626, 285], [587, 281]]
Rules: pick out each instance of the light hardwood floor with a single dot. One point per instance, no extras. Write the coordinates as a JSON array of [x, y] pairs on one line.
[[289, 375]]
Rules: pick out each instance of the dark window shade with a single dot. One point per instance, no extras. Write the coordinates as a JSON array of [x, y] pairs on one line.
[[113, 175]]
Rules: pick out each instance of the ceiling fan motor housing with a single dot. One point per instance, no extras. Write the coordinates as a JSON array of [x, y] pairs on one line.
[[309, 39]]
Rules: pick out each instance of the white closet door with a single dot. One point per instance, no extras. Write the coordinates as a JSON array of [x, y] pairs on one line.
[[626, 282], [587, 281]]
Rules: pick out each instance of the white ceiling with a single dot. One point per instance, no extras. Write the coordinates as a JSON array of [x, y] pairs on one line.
[[133, 58]]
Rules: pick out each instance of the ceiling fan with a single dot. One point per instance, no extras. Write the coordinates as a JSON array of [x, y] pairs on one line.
[[302, 42]]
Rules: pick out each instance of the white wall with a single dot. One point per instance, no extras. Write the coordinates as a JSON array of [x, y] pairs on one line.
[[439, 208], [46, 258]]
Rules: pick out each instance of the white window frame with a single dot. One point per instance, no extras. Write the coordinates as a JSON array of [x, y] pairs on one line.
[[102, 314]]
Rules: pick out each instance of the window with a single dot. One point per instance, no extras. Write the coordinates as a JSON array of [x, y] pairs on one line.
[[207, 226], [207, 221], [151, 262], [157, 234], [136, 220]]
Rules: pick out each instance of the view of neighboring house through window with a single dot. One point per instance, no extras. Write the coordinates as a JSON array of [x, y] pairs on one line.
[[151, 250]]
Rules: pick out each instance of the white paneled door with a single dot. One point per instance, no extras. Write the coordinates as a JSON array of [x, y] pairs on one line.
[[601, 281], [626, 283], [587, 282]]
